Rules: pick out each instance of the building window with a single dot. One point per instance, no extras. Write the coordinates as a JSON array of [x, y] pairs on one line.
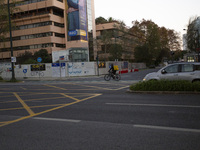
[[59, 35], [27, 47], [58, 12], [60, 1], [28, 2], [35, 25], [59, 24], [60, 45]]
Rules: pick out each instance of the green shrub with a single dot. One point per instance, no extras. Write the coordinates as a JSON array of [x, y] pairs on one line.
[[1, 79], [166, 85]]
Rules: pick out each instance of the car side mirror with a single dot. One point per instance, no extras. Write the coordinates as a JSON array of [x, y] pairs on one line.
[[163, 71]]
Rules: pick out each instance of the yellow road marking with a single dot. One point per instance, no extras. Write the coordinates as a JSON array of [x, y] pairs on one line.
[[54, 87], [94, 95], [23, 88], [31, 107], [23, 104], [91, 87], [97, 87], [46, 111], [7, 96], [70, 97], [122, 88], [14, 101]]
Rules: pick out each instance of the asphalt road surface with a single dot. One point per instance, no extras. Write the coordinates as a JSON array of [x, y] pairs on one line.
[[92, 114]]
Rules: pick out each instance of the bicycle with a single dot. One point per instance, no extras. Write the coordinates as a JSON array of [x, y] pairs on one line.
[[116, 77]]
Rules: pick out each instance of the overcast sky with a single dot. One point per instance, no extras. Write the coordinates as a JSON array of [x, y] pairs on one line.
[[172, 14]]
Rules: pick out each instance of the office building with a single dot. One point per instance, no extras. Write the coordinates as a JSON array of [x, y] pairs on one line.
[[53, 25], [108, 35]]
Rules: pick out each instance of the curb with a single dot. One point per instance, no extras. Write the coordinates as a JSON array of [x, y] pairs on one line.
[[163, 92]]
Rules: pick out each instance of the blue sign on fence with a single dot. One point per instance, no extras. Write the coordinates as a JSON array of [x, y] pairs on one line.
[[39, 59], [24, 70]]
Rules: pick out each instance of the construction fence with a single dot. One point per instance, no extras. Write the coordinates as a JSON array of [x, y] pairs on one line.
[[63, 70]]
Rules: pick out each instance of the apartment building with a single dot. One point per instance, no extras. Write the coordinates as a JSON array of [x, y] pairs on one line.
[[113, 34], [53, 25]]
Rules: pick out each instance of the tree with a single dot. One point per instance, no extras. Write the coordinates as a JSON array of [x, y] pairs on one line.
[[174, 40], [26, 58], [4, 25], [193, 33], [43, 53], [100, 20], [111, 19], [115, 52], [141, 54], [148, 38], [29, 58], [153, 41]]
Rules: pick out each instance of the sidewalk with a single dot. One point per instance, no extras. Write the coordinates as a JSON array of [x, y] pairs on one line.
[[77, 78]]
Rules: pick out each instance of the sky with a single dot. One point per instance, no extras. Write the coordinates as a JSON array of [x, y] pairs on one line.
[[171, 14]]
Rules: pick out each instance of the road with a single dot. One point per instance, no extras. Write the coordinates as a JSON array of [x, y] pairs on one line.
[[89, 113]]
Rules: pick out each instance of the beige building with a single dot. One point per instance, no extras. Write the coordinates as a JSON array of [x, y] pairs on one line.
[[48, 24], [113, 34]]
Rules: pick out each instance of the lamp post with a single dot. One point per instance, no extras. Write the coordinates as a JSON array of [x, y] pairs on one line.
[[11, 46]]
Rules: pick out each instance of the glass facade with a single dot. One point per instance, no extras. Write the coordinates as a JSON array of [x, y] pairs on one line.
[[89, 15], [78, 55]]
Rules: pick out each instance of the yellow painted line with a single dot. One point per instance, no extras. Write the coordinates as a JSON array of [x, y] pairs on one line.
[[40, 89], [23, 104], [7, 96], [98, 87], [82, 95], [95, 95], [23, 88], [7, 109], [46, 111], [70, 97], [44, 99], [122, 88], [55, 87], [92, 87], [14, 101], [74, 88]]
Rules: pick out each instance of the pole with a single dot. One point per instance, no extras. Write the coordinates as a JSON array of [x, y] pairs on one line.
[[97, 59], [198, 49], [11, 46]]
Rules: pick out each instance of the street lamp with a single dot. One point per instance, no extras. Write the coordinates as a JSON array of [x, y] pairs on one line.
[[11, 46]]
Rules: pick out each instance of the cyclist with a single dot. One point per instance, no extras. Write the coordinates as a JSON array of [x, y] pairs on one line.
[[112, 70]]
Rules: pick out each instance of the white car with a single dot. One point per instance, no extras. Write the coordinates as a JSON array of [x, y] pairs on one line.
[[177, 71]]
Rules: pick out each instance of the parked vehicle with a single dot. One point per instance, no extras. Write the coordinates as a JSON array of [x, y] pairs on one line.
[[177, 71]]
